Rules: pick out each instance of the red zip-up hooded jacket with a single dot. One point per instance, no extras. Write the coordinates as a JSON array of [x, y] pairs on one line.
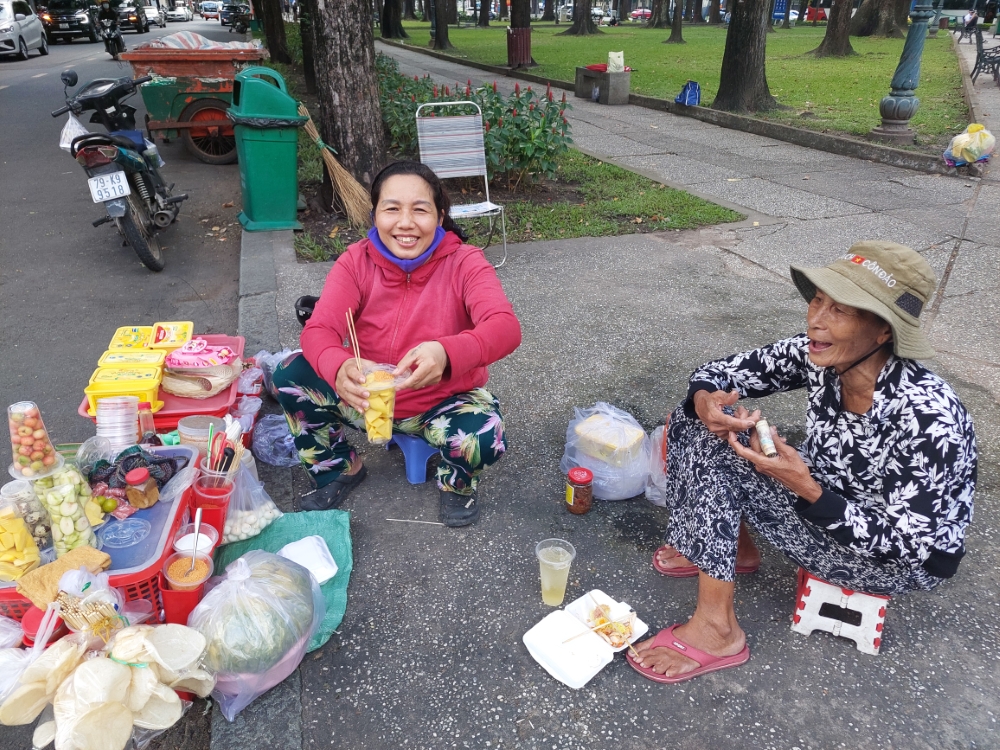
[[455, 298]]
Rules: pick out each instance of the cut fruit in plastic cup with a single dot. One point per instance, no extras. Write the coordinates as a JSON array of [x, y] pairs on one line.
[[33, 453]]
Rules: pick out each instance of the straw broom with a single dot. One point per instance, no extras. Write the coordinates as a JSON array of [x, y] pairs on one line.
[[352, 194]]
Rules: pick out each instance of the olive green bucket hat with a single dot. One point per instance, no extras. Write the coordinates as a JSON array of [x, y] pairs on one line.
[[884, 278]]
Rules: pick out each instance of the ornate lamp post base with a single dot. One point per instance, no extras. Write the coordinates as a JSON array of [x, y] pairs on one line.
[[901, 104]]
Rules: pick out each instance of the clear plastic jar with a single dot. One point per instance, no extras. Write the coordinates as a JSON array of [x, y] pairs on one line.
[[22, 496]]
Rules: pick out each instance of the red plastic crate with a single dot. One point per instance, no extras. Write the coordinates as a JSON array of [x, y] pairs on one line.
[[141, 585]]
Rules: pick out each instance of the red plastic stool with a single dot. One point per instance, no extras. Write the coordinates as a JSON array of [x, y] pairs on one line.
[[850, 614]]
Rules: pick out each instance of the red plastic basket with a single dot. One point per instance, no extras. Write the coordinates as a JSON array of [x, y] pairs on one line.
[[143, 584]]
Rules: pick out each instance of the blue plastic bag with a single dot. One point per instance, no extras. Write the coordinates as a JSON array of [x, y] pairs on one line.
[[690, 95]]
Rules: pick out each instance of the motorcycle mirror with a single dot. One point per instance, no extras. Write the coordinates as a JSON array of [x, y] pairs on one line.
[[69, 78]]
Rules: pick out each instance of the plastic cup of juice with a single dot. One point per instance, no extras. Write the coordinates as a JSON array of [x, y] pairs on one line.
[[381, 386], [554, 559]]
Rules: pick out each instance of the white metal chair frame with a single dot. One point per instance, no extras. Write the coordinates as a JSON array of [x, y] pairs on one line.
[[470, 162]]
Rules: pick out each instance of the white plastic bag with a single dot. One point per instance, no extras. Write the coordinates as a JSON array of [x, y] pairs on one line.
[[616, 62], [656, 482], [10, 633], [257, 621], [251, 509], [13, 661], [971, 145], [72, 129], [610, 443]]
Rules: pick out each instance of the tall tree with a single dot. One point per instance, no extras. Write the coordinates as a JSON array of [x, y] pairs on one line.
[[689, 9], [273, 25], [308, 34], [350, 117], [549, 12], [452, 11], [659, 17], [699, 16], [743, 81], [715, 12], [410, 10], [876, 18], [484, 14], [676, 35], [441, 41], [503, 9], [786, 22], [583, 21], [837, 40], [392, 20], [902, 14]]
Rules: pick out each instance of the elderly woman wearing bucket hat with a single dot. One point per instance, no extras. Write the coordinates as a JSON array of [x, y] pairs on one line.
[[878, 496]]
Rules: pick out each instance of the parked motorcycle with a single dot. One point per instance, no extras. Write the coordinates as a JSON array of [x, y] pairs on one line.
[[114, 43], [123, 167]]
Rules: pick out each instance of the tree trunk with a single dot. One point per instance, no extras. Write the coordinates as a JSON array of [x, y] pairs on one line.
[[676, 35], [660, 15], [876, 18], [902, 15], [549, 14], [803, 5], [770, 18], [520, 14], [689, 9], [452, 6], [583, 22], [715, 12], [837, 41], [743, 81], [503, 9], [378, 12], [624, 9], [268, 13], [786, 22], [816, 6], [308, 34], [392, 20], [441, 40], [484, 13], [699, 17], [410, 10], [350, 118]]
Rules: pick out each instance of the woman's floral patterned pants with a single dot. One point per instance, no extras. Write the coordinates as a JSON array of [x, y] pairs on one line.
[[467, 428], [710, 488]]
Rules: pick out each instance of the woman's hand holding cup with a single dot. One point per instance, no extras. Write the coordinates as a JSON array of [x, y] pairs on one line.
[[350, 385], [427, 361]]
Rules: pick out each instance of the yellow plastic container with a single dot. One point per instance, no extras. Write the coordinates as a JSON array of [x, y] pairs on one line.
[[170, 336], [131, 338], [141, 382], [132, 358]]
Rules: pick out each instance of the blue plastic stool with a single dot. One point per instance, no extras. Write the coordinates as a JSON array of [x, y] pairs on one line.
[[416, 453]]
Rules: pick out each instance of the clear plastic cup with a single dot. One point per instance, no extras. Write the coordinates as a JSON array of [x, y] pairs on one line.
[[555, 556], [31, 448], [184, 539], [176, 567], [381, 386]]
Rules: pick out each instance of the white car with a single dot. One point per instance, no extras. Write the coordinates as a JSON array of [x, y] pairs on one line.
[[155, 14], [180, 13], [21, 30]]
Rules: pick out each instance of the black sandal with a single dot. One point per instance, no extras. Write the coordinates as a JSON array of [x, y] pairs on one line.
[[458, 510], [331, 495]]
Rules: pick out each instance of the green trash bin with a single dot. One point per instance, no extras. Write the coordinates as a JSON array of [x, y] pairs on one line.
[[266, 122]]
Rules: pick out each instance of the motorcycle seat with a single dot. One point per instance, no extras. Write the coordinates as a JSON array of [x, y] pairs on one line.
[[101, 139]]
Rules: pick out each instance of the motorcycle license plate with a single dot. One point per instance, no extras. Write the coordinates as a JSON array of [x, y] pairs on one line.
[[107, 187]]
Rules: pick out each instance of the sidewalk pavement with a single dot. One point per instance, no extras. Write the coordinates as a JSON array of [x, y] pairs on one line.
[[430, 655]]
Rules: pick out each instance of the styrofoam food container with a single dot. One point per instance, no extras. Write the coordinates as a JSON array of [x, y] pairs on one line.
[[575, 662], [582, 607]]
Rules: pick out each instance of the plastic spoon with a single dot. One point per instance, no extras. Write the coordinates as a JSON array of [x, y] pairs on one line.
[[197, 530]]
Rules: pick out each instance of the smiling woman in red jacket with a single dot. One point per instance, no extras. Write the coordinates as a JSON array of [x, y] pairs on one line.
[[424, 301]]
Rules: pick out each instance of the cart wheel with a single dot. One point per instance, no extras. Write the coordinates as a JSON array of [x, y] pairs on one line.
[[212, 145]]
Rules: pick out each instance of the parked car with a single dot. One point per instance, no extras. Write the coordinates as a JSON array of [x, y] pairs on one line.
[[69, 19], [640, 14], [155, 14], [210, 10], [21, 30], [227, 12], [129, 17], [180, 13]]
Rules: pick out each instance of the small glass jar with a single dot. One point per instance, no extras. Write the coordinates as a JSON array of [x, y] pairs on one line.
[[142, 491], [579, 490]]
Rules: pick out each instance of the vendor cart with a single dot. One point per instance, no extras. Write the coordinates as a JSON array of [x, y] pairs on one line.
[[189, 95]]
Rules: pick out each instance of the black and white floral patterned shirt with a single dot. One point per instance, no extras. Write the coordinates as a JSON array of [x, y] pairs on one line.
[[898, 482]]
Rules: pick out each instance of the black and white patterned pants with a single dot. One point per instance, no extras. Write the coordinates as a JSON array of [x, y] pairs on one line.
[[709, 488]]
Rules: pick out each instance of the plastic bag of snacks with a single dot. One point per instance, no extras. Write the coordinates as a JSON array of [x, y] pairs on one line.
[[21, 494], [65, 496], [656, 483], [258, 622], [973, 144], [610, 443], [251, 509]]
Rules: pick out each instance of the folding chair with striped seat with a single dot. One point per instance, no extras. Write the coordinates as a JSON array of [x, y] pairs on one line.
[[453, 147]]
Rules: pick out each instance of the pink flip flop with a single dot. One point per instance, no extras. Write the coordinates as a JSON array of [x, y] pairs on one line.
[[690, 571], [706, 662]]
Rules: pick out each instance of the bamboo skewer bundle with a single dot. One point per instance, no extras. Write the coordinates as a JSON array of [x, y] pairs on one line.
[[352, 194]]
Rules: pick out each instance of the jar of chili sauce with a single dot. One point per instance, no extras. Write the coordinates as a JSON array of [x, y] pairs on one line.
[[579, 490]]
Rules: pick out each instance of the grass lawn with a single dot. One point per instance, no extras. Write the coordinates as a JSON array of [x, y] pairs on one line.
[[835, 94]]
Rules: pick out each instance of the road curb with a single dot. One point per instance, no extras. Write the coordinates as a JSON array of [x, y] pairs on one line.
[[833, 144]]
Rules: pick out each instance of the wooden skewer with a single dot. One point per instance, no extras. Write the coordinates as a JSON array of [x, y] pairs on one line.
[[627, 642], [354, 338], [596, 627]]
